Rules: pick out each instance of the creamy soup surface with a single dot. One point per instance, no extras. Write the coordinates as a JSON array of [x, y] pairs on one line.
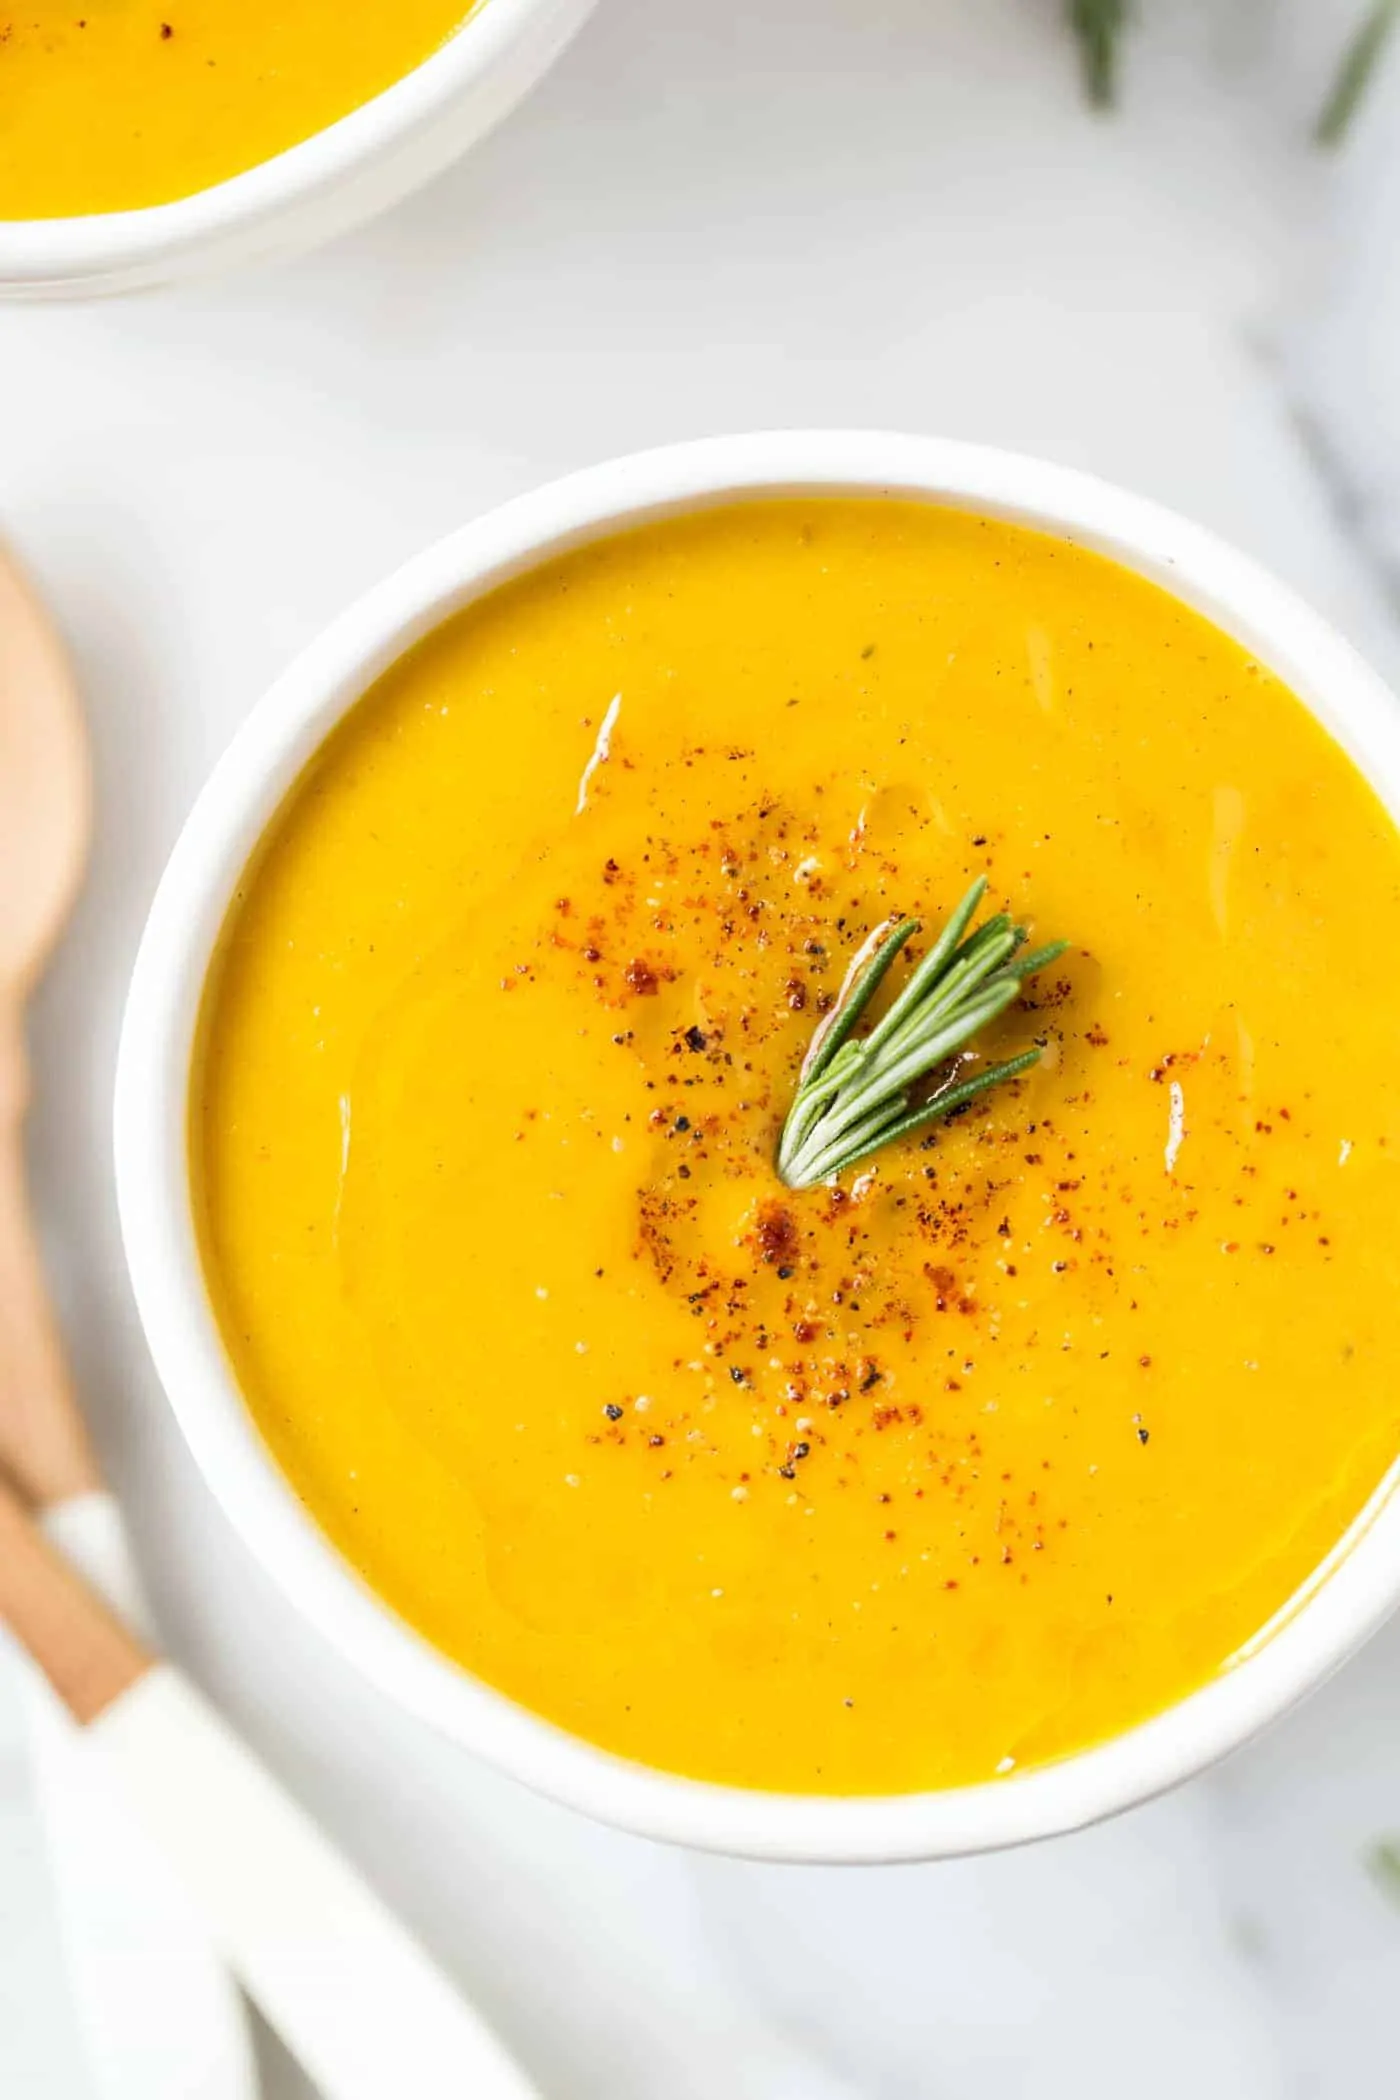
[[1016, 1434], [111, 105]]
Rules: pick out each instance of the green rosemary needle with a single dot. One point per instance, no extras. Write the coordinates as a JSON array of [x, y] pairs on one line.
[[1100, 28], [855, 1094], [1359, 62], [1098, 25]]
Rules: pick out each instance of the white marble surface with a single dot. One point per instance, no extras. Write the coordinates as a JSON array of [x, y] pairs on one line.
[[714, 217]]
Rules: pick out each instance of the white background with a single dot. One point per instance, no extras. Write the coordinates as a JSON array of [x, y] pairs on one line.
[[710, 217]]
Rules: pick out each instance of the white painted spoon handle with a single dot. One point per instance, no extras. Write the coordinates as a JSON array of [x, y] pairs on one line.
[[156, 2004], [89, 1532], [351, 1993]]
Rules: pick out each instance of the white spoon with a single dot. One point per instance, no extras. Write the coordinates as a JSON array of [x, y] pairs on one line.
[[353, 1996]]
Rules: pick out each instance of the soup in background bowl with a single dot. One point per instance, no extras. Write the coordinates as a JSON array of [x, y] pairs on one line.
[[139, 102], [971, 1491]]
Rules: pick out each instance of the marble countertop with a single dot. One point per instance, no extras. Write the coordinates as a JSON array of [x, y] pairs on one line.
[[795, 211]]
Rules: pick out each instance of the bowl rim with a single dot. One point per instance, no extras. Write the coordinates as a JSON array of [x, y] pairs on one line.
[[491, 38], [1342, 1602]]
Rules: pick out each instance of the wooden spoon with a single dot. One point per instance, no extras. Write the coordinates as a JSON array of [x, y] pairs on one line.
[[45, 822], [45, 819]]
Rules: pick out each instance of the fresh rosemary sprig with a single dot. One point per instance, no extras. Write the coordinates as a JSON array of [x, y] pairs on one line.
[[1098, 27], [854, 1092]]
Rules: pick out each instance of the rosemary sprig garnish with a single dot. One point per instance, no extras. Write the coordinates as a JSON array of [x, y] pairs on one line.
[[854, 1093]]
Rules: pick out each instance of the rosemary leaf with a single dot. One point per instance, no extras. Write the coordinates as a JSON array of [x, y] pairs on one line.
[[1098, 25], [941, 1105], [863, 980], [1359, 62], [933, 965]]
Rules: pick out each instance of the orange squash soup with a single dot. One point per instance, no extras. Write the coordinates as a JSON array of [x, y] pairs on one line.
[[110, 105], [997, 1442]]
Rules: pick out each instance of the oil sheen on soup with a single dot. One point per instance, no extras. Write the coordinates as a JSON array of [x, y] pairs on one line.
[[1018, 1431]]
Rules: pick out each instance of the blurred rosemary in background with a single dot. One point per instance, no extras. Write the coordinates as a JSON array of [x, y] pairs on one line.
[[1099, 27]]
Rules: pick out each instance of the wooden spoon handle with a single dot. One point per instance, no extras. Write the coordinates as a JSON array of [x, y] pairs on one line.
[[87, 1656], [44, 1445]]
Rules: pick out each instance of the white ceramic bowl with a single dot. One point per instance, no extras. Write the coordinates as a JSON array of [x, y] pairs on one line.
[[344, 174], [1345, 1600]]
